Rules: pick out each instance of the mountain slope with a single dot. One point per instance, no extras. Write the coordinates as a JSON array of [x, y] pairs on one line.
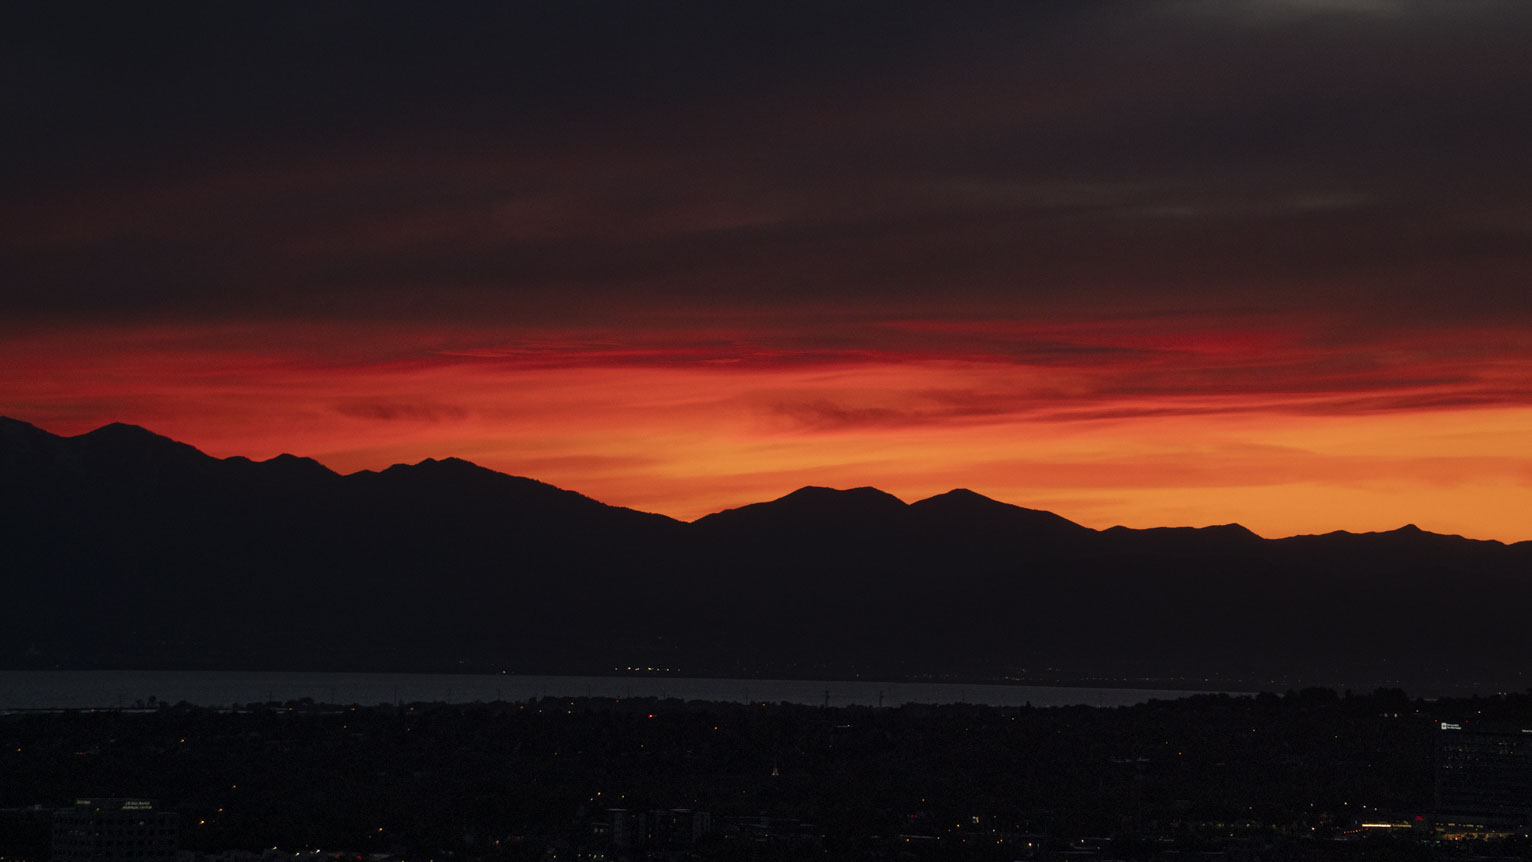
[[122, 548]]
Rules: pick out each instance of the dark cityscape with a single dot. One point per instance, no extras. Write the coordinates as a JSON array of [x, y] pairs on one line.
[[1308, 775]]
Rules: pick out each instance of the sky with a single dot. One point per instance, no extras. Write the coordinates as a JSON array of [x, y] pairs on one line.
[[1185, 262]]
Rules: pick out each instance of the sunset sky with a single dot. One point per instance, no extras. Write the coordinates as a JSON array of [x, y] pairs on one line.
[[1142, 263]]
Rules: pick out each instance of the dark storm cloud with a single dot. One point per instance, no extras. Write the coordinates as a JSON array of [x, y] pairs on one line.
[[149, 73], [572, 162]]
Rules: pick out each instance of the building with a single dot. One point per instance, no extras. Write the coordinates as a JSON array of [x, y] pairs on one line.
[[1483, 779], [115, 830]]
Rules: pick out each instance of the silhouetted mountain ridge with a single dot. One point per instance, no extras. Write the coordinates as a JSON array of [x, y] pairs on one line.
[[125, 548]]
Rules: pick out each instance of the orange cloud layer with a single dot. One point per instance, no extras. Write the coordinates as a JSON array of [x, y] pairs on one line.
[[1283, 426]]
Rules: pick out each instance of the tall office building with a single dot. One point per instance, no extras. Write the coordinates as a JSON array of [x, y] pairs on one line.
[[1483, 779], [115, 830]]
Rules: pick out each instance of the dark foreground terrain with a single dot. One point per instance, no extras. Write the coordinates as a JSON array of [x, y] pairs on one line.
[[123, 549], [1266, 777]]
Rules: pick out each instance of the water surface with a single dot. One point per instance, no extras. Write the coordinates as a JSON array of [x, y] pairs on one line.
[[127, 689]]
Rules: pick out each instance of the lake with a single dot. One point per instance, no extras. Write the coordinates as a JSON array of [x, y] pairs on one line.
[[122, 689]]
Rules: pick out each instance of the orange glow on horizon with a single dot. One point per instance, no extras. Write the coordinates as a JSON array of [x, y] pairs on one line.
[[1103, 424]]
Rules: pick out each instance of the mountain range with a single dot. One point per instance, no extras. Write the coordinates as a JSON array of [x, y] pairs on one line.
[[121, 548]]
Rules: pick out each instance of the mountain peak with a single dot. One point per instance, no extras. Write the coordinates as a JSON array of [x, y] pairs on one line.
[[963, 502], [116, 439], [970, 508], [298, 466], [815, 506], [855, 504], [424, 464], [8, 422], [448, 463], [122, 430], [821, 494], [963, 495]]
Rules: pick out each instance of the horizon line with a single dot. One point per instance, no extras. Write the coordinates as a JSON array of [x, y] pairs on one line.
[[1408, 527]]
